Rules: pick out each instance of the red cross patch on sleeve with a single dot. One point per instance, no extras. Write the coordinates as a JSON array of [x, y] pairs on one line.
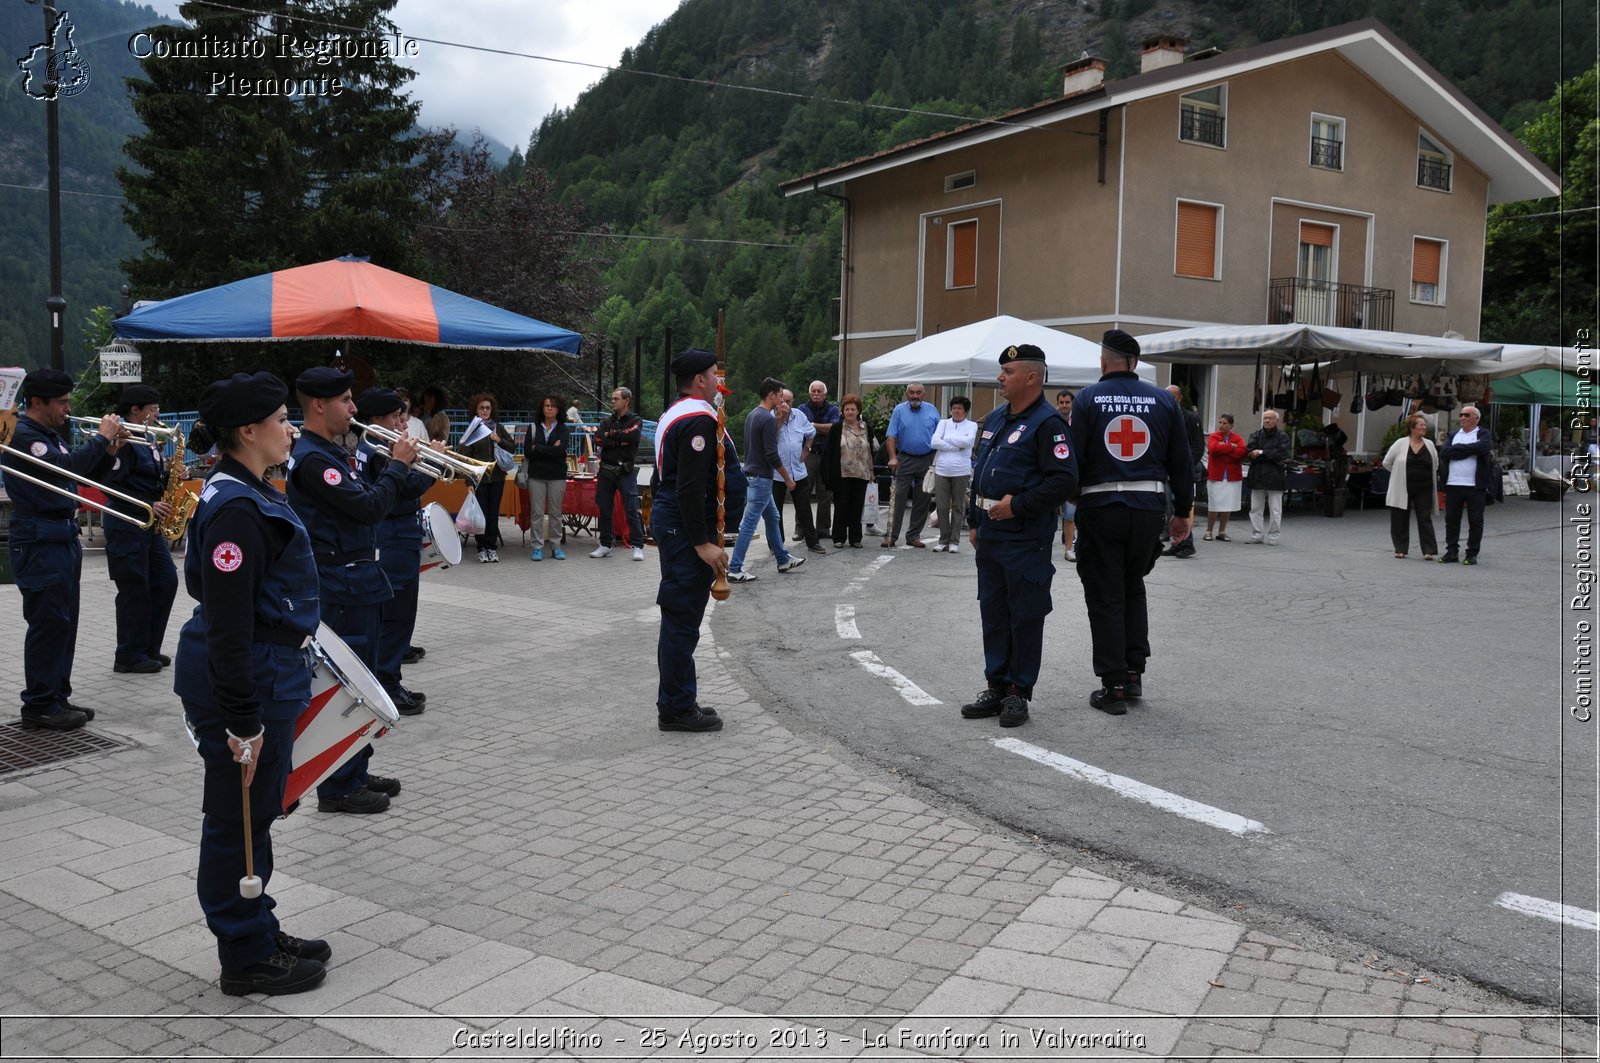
[[1061, 452], [332, 477], [227, 557]]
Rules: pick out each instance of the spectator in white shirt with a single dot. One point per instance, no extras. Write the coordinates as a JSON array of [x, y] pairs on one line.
[[796, 435], [952, 471]]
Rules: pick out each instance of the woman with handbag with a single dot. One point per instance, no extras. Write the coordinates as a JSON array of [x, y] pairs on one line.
[[1224, 473], [1413, 464], [487, 440], [545, 458]]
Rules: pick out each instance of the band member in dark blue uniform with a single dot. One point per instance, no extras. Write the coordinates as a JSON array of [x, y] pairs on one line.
[[683, 520], [244, 676], [342, 514], [46, 557], [399, 548], [1024, 470], [139, 560], [1129, 437]]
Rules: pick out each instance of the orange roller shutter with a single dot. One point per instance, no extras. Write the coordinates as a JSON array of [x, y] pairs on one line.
[[1197, 240], [1425, 256], [1316, 235], [964, 254]]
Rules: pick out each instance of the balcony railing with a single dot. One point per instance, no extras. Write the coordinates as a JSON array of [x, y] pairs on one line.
[[1312, 302], [1432, 173], [1327, 153], [1202, 126]]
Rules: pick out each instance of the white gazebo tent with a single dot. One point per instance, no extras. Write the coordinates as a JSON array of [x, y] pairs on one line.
[[969, 356]]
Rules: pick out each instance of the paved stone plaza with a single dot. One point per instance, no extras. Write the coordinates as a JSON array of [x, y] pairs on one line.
[[560, 880]]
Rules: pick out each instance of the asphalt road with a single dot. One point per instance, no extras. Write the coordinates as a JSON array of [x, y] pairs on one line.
[[1390, 738]]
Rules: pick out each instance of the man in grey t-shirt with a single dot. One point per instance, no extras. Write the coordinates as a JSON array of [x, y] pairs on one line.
[[762, 465]]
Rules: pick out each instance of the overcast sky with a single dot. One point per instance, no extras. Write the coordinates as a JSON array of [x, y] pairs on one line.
[[506, 96]]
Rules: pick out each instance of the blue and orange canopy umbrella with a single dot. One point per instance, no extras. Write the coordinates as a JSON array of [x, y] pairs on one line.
[[340, 299]]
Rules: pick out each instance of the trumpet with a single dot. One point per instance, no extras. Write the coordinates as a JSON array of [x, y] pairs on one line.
[[146, 432], [6, 422], [442, 465]]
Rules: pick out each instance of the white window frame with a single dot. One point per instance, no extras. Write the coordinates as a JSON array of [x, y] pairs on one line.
[[1449, 159], [1444, 270], [960, 182], [950, 254], [1344, 144], [1216, 255], [1221, 111]]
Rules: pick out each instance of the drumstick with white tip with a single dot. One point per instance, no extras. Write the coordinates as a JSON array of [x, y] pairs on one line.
[[249, 886]]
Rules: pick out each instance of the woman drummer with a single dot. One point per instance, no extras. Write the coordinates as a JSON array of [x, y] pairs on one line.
[[244, 676]]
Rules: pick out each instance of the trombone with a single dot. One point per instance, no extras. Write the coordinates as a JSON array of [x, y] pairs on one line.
[[146, 432], [105, 510], [442, 465]]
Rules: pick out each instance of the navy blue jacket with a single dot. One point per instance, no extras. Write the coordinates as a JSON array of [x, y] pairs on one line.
[[1024, 454], [32, 502], [341, 514], [1124, 430], [1483, 450]]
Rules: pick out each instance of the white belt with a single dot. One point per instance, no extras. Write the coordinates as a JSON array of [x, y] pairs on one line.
[[986, 504], [1125, 485]]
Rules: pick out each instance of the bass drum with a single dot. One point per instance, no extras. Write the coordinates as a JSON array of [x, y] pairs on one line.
[[441, 543], [348, 710]]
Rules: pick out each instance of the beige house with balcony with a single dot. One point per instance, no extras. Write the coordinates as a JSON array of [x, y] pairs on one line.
[[1331, 178]]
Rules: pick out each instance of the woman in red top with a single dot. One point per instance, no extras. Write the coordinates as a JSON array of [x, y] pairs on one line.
[[1224, 449]]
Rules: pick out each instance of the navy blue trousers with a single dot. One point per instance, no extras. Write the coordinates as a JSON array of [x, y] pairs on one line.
[[606, 489], [685, 589], [140, 563], [397, 622], [359, 626], [48, 576], [244, 927], [1013, 600], [1117, 548]]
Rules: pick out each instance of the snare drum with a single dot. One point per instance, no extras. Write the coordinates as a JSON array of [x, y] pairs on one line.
[[441, 543], [348, 709]]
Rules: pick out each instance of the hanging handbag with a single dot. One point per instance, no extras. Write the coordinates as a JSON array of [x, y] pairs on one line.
[[1356, 404]]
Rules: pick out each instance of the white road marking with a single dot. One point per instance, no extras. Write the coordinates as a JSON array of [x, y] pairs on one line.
[[1133, 788], [913, 694], [844, 620], [1581, 918], [882, 559], [855, 586]]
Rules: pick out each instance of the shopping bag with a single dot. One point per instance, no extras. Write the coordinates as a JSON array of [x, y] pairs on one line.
[[869, 509], [470, 520]]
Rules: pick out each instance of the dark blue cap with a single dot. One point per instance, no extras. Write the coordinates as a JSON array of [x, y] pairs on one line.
[[378, 402], [46, 384], [1117, 340], [137, 395], [324, 382], [693, 360], [243, 398], [1021, 352]]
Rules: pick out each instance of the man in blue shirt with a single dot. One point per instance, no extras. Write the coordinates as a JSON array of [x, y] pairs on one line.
[[910, 443], [762, 465]]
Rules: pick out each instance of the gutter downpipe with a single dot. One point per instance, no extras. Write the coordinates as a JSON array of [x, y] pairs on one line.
[[845, 271]]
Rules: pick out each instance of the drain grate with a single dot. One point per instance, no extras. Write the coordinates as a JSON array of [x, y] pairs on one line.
[[22, 749]]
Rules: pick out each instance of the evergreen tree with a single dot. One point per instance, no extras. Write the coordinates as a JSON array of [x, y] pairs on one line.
[[273, 155]]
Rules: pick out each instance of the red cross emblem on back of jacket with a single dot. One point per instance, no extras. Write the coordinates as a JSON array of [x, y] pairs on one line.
[[1127, 437]]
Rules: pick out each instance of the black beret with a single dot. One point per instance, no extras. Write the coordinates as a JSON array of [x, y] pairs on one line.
[[324, 382], [1021, 352], [138, 395], [46, 384], [243, 398], [378, 402], [1117, 340], [693, 360]]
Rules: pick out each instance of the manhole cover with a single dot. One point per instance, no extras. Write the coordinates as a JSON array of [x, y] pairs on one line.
[[21, 749]]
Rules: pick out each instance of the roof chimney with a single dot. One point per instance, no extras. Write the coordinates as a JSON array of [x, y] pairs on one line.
[[1160, 51], [1084, 74]]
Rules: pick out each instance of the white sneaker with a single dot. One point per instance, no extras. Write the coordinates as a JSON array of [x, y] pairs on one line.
[[483, 557], [601, 551], [938, 548], [955, 548], [494, 557], [793, 563], [1072, 556], [638, 553], [742, 577]]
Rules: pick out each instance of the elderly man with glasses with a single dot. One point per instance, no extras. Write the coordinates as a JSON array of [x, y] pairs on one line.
[[1466, 472]]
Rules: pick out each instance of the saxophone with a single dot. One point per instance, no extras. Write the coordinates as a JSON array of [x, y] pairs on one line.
[[180, 498]]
